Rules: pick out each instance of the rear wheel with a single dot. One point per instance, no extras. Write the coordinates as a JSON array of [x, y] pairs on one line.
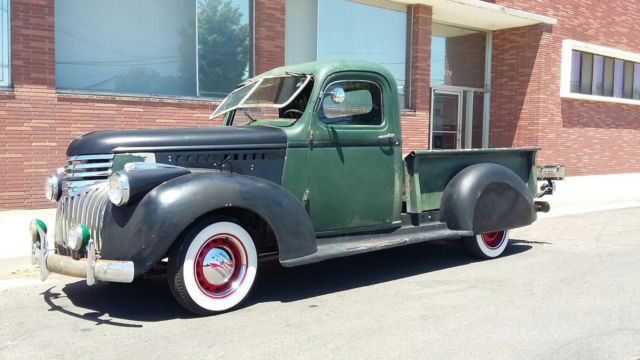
[[214, 266], [488, 245]]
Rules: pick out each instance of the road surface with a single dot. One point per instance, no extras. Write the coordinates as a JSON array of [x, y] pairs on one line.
[[567, 288]]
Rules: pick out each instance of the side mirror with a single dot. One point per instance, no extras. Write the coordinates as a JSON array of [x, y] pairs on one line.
[[337, 95]]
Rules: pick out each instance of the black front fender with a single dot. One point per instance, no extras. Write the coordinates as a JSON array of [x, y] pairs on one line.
[[144, 232], [486, 197]]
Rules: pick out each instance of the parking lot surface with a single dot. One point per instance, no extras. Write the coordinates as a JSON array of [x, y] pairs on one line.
[[567, 288]]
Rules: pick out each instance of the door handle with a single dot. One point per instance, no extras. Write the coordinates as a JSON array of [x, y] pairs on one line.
[[391, 137]]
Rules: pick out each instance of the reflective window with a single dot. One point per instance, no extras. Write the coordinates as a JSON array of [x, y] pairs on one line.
[[4, 43], [575, 71], [586, 73], [636, 82], [457, 56], [152, 47], [597, 85], [593, 74], [627, 90], [361, 105], [618, 70], [350, 30], [608, 76]]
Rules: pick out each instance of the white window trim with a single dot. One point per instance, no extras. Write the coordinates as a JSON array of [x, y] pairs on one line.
[[565, 71]]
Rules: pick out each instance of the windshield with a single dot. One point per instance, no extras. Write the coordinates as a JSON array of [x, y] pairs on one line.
[[270, 92]]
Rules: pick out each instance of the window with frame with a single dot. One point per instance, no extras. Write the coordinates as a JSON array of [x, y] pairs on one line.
[[4, 44], [194, 48], [603, 75], [361, 106], [346, 29]]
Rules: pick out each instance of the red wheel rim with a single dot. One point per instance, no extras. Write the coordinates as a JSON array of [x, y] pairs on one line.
[[493, 239], [220, 265]]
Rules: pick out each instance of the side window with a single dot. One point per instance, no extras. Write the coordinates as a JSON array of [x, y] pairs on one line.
[[361, 105]]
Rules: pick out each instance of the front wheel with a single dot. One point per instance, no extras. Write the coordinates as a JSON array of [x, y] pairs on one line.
[[213, 268], [488, 245]]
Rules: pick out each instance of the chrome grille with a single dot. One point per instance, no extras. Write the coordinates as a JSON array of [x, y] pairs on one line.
[[85, 171], [84, 198], [85, 208]]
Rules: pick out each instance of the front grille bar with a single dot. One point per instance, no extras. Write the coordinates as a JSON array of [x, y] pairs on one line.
[[84, 198], [85, 171], [87, 209], [89, 166]]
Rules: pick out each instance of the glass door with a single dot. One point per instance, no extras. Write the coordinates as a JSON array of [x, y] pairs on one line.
[[446, 119]]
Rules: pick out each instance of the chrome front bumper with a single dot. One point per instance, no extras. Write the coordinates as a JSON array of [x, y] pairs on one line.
[[89, 268]]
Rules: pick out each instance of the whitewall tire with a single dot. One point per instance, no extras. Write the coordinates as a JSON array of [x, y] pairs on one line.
[[488, 245], [214, 267]]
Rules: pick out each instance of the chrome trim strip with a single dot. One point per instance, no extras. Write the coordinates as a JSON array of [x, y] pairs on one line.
[[91, 157], [92, 215], [148, 166], [72, 175], [89, 166]]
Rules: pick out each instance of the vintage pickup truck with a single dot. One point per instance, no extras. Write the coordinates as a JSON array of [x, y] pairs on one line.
[[307, 166]]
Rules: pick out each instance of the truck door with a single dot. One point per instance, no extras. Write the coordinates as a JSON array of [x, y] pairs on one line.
[[355, 165]]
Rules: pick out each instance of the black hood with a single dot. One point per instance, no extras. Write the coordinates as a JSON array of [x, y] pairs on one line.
[[105, 142]]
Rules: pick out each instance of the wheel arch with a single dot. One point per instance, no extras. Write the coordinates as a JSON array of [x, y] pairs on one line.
[[145, 231], [260, 229], [485, 198]]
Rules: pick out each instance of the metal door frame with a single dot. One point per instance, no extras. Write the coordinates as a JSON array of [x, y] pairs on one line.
[[460, 94]]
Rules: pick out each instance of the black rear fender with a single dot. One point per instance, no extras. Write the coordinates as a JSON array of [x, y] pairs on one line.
[[144, 232], [485, 198]]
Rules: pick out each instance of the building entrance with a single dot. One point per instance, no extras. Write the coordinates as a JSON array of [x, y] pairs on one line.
[[460, 87], [456, 118]]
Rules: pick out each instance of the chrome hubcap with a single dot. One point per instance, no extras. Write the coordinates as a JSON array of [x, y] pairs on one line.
[[221, 265], [217, 266]]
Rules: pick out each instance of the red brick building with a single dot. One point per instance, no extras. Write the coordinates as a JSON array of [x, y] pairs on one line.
[[563, 75]]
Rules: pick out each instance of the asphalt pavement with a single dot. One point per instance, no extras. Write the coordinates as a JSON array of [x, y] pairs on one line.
[[567, 288]]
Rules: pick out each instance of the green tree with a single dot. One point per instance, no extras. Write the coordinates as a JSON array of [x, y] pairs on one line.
[[223, 47]]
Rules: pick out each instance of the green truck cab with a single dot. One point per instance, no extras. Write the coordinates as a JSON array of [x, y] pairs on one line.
[[307, 166]]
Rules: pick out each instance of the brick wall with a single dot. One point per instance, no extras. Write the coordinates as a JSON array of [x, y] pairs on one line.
[[269, 32], [415, 125], [517, 92], [588, 137], [37, 124]]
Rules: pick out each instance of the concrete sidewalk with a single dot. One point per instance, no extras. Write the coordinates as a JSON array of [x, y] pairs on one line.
[[15, 237], [575, 195]]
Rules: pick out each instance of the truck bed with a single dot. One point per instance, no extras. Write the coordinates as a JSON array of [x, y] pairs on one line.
[[429, 171]]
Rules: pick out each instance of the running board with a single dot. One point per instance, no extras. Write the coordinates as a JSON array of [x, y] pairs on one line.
[[341, 246]]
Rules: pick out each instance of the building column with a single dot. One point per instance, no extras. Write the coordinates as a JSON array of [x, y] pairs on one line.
[[415, 125], [420, 57], [268, 46], [32, 41]]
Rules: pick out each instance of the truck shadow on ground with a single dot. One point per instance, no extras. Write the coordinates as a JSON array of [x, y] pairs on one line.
[[149, 300]]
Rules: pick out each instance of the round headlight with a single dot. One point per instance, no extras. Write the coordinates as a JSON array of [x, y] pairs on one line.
[[119, 189], [78, 237], [52, 188]]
